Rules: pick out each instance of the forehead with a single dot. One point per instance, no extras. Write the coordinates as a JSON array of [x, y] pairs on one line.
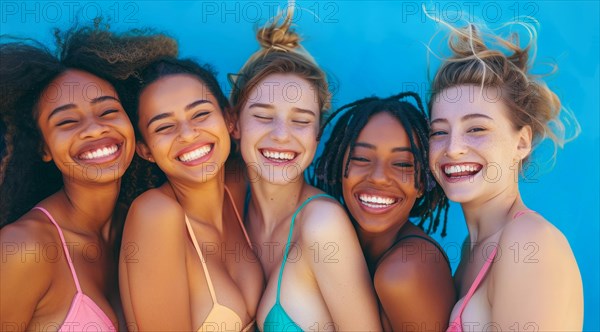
[[461, 100], [174, 92], [384, 129], [284, 88], [74, 87]]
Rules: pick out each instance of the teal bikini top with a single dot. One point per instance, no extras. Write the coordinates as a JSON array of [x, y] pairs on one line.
[[277, 319]]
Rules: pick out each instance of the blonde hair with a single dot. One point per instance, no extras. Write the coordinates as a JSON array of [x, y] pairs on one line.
[[280, 52], [528, 98]]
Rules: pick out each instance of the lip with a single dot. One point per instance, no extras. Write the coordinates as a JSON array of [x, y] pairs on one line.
[[461, 178], [275, 162], [193, 147], [107, 142], [377, 210]]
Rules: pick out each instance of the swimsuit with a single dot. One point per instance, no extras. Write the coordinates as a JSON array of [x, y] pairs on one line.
[[277, 319], [219, 315], [456, 324], [84, 313]]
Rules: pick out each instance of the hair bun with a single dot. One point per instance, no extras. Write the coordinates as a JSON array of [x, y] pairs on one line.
[[279, 35]]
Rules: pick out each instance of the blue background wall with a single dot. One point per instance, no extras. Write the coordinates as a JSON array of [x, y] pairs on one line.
[[377, 47]]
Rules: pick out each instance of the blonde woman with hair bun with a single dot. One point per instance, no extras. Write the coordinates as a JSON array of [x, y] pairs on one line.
[[317, 278], [488, 112]]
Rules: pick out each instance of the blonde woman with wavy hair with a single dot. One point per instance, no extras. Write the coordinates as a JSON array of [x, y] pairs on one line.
[[488, 113], [317, 278]]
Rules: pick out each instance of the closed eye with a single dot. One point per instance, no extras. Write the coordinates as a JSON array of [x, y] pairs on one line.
[[163, 128], [200, 114], [304, 122], [360, 159], [65, 122], [437, 133], [263, 117], [107, 112], [404, 164]]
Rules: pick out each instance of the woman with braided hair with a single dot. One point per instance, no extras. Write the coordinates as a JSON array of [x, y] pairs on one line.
[[488, 112], [376, 164], [317, 278], [68, 144]]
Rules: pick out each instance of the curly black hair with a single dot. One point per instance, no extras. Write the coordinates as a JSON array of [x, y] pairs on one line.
[[27, 67], [330, 166]]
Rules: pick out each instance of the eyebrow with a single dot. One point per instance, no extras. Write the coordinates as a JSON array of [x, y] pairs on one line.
[[187, 108], [295, 109], [464, 118], [372, 147], [72, 106]]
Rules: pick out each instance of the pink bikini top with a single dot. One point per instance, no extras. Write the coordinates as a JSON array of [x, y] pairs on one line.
[[84, 314], [456, 324]]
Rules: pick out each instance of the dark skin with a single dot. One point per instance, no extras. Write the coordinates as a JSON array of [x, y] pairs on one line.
[[36, 277], [412, 278]]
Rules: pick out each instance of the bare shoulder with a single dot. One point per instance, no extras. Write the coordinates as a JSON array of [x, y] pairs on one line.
[[407, 263], [152, 213], [533, 230], [324, 218], [25, 244]]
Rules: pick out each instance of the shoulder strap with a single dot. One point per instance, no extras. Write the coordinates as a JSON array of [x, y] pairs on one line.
[[480, 276], [64, 244], [239, 218], [211, 289], [289, 239]]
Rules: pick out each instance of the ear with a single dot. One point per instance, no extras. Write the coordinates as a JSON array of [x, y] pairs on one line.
[[525, 140], [46, 155], [143, 151], [235, 127]]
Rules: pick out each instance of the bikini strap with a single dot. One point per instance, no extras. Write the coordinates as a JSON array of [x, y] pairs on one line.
[[211, 289], [289, 239], [478, 280], [64, 244], [522, 212], [239, 218]]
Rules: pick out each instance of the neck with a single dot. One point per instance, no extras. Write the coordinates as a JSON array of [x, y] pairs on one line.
[[487, 218], [201, 201], [91, 205], [375, 245], [275, 203]]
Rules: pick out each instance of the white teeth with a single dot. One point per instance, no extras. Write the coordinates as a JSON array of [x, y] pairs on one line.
[[459, 168], [196, 154], [279, 155], [376, 201], [99, 153]]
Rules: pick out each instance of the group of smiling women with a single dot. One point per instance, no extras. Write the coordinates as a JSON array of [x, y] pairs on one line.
[[137, 196]]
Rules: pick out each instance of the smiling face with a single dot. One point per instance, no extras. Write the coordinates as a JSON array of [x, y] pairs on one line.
[[85, 129], [474, 147], [183, 128], [380, 190], [278, 128]]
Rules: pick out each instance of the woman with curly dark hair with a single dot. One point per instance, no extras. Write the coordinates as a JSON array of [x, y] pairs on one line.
[[68, 143], [376, 164]]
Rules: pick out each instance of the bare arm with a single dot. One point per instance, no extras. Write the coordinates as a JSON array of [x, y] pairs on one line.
[[415, 287], [152, 273], [343, 278], [25, 275], [535, 284]]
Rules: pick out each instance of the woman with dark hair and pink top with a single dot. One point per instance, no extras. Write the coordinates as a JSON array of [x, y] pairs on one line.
[[488, 112], [68, 144]]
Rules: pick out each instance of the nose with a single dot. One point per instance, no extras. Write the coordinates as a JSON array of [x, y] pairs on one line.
[[280, 132], [187, 132], [94, 128], [379, 174], [456, 146]]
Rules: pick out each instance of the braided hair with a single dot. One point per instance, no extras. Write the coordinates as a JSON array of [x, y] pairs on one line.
[[330, 167]]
